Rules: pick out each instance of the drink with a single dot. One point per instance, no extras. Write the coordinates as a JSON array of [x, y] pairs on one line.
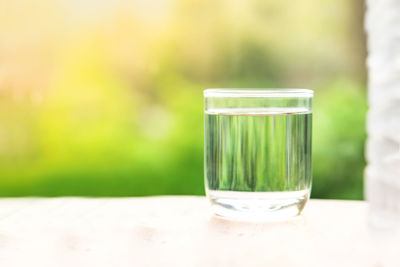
[[258, 161]]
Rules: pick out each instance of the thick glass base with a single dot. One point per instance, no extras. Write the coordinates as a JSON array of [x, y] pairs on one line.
[[258, 206]]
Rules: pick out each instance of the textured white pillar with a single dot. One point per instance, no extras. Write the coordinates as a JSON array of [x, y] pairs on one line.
[[382, 177]]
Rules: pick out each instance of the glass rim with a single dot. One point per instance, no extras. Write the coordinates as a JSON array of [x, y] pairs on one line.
[[258, 92]]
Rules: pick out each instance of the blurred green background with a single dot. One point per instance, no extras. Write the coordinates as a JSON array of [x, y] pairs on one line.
[[104, 98]]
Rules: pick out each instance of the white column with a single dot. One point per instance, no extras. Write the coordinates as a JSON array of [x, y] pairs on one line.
[[382, 176]]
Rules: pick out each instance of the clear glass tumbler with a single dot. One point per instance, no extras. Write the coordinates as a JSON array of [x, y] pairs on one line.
[[258, 152]]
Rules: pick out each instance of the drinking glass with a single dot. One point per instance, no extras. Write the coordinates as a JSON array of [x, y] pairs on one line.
[[257, 152]]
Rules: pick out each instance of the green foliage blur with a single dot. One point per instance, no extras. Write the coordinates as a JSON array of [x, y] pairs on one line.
[[104, 98]]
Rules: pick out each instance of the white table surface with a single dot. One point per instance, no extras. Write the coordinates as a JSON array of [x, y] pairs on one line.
[[177, 231]]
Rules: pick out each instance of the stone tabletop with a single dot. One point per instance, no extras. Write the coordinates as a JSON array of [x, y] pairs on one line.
[[177, 231]]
